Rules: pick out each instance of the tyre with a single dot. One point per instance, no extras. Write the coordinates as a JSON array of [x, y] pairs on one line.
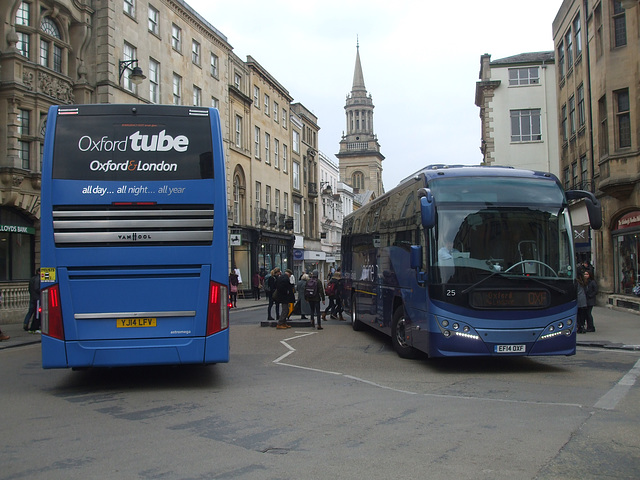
[[399, 331], [356, 324]]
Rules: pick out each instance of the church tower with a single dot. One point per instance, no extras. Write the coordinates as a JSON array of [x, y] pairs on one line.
[[359, 156]]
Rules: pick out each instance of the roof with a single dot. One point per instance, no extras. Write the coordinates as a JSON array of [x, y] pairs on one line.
[[530, 57]]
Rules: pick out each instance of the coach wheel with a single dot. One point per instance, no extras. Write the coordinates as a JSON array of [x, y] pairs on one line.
[[355, 323], [399, 331]]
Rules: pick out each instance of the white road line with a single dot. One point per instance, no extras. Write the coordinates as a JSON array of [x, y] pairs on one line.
[[610, 399], [291, 350]]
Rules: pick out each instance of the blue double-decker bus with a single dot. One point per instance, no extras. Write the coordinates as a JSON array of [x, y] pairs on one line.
[[134, 242], [467, 261]]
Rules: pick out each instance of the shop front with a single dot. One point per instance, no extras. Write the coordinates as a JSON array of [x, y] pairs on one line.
[[626, 249]]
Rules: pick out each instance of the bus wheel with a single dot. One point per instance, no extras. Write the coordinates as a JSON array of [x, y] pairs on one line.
[[355, 323], [399, 335]]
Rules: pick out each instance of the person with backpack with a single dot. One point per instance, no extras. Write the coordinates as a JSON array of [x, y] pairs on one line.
[[269, 289], [335, 301], [314, 294]]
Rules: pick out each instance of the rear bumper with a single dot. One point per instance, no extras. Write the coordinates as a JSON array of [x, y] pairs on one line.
[[118, 353]]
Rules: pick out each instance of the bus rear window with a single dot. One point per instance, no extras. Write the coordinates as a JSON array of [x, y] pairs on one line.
[[125, 148]]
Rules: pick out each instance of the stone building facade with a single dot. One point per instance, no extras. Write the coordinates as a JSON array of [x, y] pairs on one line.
[[597, 50], [85, 51]]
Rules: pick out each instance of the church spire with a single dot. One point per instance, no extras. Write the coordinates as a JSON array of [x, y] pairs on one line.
[[359, 156], [358, 77]]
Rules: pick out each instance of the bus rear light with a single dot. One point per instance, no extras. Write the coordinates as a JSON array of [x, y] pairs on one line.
[[52, 312], [218, 309]]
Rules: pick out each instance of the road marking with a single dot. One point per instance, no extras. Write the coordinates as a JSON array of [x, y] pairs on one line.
[[610, 399], [291, 350]]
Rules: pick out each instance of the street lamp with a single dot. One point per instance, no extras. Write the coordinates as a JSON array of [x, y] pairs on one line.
[[325, 186], [136, 75]]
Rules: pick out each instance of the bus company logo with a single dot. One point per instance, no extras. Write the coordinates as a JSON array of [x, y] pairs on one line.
[[137, 142], [134, 237], [132, 166]]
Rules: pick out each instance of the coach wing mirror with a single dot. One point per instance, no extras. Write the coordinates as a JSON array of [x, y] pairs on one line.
[[427, 208], [592, 204], [416, 263]]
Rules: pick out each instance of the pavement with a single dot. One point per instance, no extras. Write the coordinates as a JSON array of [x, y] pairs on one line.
[[615, 328]]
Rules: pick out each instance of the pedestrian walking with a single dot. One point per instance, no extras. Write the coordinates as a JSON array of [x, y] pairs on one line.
[[314, 294], [233, 288], [582, 304], [285, 295], [256, 285], [305, 308], [34, 297], [269, 286], [335, 300], [591, 291]]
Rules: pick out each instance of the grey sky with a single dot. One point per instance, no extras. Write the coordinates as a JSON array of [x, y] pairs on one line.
[[420, 61]]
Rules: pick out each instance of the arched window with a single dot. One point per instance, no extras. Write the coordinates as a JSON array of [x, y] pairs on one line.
[[51, 47], [358, 180]]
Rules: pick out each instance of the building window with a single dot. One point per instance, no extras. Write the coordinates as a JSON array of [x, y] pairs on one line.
[[195, 52], [572, 114], [238, 131], [256, 142], [574, 174], [236, 199], [237, 80], [619, 25], [597, 15], [296, 141], [214, 65], [285, 200], [256, 96], [154, 81], [581, 110], [566, 178], [276, 153], [176, 38], [623, 118], [568, 40], [284, 118], [130, 8], [23, 44], [563, 123], [266, 104], [576, 33], [277, 202], [267, 148], [524, 76], [177, 89], [197, 96], [603, 133], [296, 175], [584, 173], [285, 156], [154, 21], [215, 103], [129, 52], [561, 60], [358, 180], [50, 50], [297, 209], [267, 198], [276, 109], [258, 198], [24, 127], [525, 125], [23, 14]]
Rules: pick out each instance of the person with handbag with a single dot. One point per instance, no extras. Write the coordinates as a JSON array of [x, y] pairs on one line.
[[233, 288]]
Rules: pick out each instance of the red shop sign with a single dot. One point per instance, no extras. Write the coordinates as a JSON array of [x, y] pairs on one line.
[[630, 220]]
